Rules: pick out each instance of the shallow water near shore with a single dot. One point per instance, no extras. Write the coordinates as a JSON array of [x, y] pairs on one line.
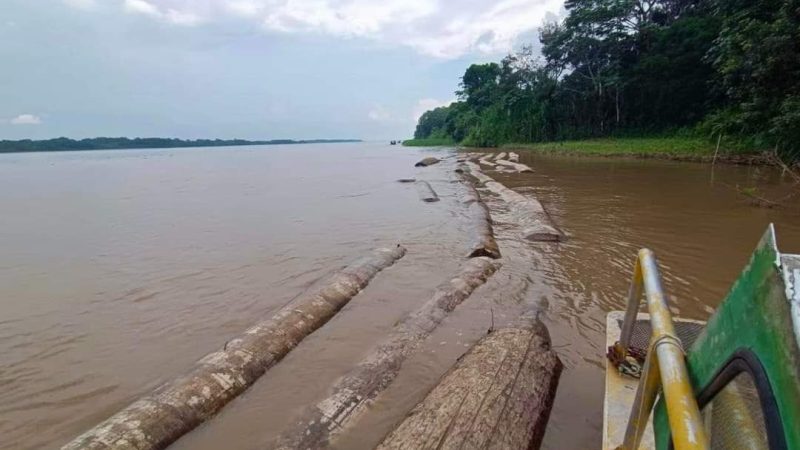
[[121, 268]]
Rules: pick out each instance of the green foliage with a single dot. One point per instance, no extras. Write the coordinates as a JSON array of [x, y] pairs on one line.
[[615, 68], [678, 147], [429, 142]]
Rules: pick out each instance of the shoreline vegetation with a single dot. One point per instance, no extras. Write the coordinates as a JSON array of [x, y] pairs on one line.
[[63, 144], [690, 79], [690, 149]]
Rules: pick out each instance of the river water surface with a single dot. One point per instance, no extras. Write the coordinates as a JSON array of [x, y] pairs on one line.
[[119, 269]]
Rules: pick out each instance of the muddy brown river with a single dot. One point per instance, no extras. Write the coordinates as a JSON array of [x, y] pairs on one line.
[[119, 269]]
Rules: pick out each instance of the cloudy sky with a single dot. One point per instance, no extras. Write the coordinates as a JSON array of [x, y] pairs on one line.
[[244, 68]]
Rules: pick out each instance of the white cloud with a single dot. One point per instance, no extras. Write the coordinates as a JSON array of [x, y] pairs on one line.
[[441, 28], [81, 4], [379, 114], [427, 104], [26, 119], [182, 16]]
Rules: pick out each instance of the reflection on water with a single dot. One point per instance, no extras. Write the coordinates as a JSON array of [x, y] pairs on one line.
[[120, 269]]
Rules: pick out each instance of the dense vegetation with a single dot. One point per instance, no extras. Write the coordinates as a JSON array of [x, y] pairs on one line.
[[105, 143], [725, 69]]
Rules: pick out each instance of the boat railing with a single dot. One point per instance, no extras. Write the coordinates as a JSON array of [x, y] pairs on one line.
[[664, 366]]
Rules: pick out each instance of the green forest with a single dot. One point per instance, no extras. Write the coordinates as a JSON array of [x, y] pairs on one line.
[[119, 143], [723, 70]]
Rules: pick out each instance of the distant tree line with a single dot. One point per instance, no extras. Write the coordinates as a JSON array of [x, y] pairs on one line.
[[108, 143], [726, 68]]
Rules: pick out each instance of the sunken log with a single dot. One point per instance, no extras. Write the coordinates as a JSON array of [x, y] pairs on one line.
[[426, 192], [482, 242], [500, 156], [175, 408], [513, 156], [528, 212], [521, 168], [429, 161], [498, 396], [353, 393]]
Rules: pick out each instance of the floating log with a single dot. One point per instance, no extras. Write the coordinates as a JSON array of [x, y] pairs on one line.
[[407, 180], [175, 408], [487, 160], [353, 393], [429, 161], [482, 242], [426, 192], [521, 168], [513, 156], [500, 156], [498, 396], [528, 212]]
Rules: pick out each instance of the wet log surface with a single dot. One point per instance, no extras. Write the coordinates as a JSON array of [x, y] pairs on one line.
[[521, 168], [353, 393], [429, 161], [528, 212], [175, 408], [482, 241], [498, 396], [426, 192]]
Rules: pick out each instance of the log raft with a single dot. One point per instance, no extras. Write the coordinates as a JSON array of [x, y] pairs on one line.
[[528, 212], [175, 408], [498, 396], [353, 393]]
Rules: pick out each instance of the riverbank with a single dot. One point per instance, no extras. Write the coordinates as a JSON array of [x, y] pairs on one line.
[[669, 148], [430, 142]]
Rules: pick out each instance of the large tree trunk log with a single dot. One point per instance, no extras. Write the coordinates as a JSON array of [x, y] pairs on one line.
[[498, 396], [528, 212], [429, 161], [514, 157], [482, 242], [157, 420], [426, 192], [355, 391], [500, 156], [521, 168]]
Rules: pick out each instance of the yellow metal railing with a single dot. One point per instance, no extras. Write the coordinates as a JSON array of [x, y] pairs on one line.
[[664, 367]]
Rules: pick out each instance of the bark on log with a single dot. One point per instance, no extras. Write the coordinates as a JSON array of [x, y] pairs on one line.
[[500, 156], [498, 396], [173, 409], [521, 168], [482, 242], [514, 157], [353, 393], [426, 192], [429, 161], [528, 212]]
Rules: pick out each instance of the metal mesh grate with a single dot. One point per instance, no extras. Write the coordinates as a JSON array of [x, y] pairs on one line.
[[687, 333]]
